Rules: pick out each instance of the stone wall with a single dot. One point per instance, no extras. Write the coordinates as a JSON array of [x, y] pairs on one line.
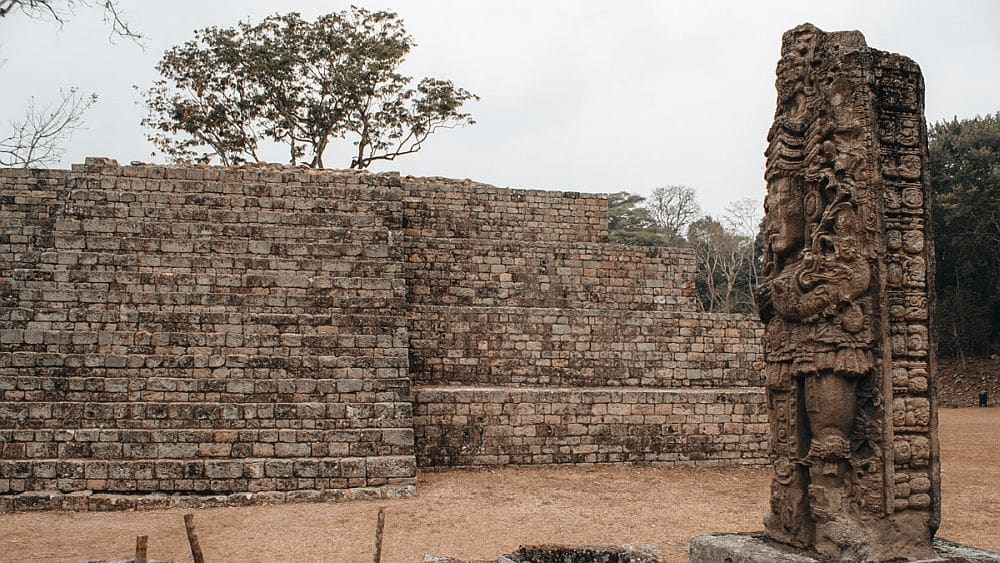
[[533, 341], [250, 335], [491, 273], [444, 208], [483, 426], [581, 347], [204, 331]]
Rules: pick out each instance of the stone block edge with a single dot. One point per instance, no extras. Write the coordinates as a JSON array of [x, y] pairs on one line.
[[86, 501]]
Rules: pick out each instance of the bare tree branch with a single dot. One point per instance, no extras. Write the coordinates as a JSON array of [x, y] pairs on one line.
[[725, 255], [673, 208], [38, 139], [60, 11]]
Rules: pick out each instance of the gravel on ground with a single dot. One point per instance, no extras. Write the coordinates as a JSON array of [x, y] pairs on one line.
[[484, 513]]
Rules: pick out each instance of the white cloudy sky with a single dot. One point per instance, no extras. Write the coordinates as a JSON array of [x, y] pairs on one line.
[[583, 95]]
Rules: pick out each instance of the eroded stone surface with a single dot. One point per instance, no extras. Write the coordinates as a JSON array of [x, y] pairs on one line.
[[756, 548], [251, 334], [567, 554], [846, 301]]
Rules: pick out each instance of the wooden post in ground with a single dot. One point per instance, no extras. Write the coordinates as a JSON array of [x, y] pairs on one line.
[[141, 543], [379, 526], [193, 539]]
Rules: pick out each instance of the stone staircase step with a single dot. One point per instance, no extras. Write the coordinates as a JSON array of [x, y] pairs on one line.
[[495, 426], [471, 272], [582, 347]]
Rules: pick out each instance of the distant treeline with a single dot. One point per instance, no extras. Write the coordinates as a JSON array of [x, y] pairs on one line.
[[965, 186]]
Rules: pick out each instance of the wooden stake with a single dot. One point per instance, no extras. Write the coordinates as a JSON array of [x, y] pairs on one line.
[[141, 543], [193, 539], [379, 526]]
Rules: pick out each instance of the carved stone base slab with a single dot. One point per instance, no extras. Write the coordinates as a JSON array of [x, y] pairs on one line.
[[755, 548]]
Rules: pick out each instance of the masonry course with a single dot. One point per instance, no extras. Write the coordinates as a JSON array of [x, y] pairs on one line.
[[270, 334]]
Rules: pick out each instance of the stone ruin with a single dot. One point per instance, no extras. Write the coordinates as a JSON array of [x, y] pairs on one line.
[[205, 336], [224, 336], [847, 301], [847, 305], [566, 554]]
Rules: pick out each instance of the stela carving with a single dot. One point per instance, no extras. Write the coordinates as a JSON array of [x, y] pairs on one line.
[[846, 302]]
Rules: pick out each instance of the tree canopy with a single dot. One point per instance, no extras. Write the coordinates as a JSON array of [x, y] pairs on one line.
[[726, 251], [630, 221], [965, 183], [298, 84]]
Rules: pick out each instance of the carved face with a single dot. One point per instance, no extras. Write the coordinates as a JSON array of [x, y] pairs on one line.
[[802, 42], [785, 225]]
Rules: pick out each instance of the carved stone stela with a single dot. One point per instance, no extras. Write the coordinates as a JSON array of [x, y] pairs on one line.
[[846, 301]]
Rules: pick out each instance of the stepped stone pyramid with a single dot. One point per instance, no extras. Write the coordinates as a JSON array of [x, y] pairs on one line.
[[230, 333], [534, 341], [221, 336]]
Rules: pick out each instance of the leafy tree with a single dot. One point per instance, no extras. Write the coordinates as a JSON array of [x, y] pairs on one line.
[[299, 84], [965, 182], [630, 222]]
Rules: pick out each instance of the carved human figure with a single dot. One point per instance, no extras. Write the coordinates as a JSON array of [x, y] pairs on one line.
[[847, 304], [844, 299], [814, 300], [816, 337]]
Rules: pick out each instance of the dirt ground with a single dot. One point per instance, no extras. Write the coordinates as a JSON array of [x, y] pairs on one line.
[[480, 514], [959, 385]]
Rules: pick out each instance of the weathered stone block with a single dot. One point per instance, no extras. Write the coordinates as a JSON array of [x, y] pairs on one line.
[[841, 192], [750, 548]]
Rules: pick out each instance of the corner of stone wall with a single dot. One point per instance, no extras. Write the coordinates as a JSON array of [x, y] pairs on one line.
[[231, 335]]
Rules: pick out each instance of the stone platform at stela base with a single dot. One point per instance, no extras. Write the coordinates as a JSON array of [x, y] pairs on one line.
[[756, 548]]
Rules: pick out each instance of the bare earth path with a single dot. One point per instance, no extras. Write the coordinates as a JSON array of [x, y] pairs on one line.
[[485, 513]]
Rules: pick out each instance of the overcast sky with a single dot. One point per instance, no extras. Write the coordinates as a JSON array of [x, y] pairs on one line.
[[594, 96]]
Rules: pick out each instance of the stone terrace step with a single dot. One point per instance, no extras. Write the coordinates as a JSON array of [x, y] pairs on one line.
[[488, 426], [582, 347], [441, 207], [350, 244], [74, 261], [308, 184], [370, 386], [491, 273], [206, 475], [89, 501], [140, 281], [82, 211], [131, 218], [160, 415], [207, 443], [136, 345], [378, 295], [367, 360]]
